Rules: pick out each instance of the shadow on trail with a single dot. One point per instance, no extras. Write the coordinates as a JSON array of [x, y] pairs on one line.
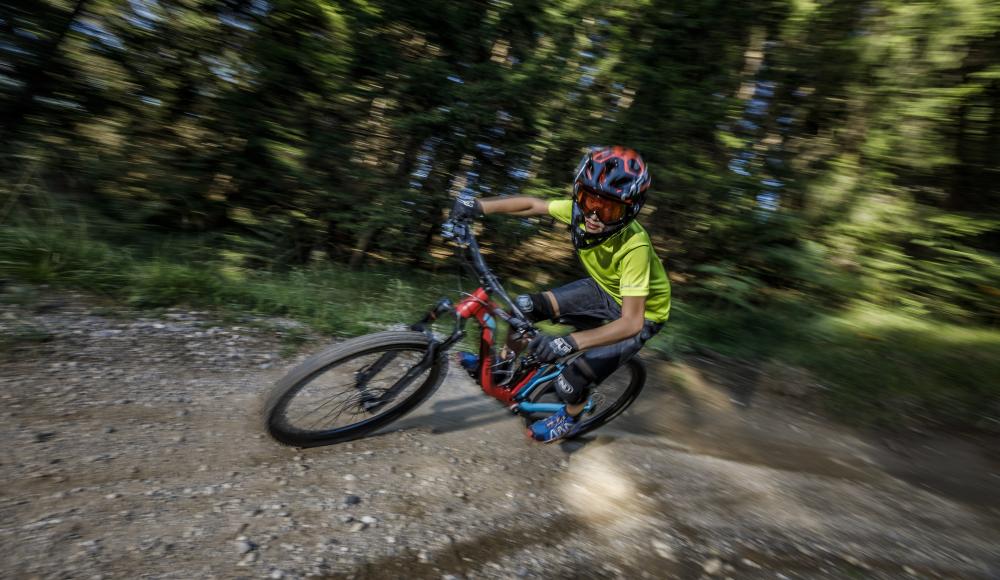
[[715, 408], [448, 415]]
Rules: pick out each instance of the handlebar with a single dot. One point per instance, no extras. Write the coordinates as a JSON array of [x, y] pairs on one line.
[[460, 232]]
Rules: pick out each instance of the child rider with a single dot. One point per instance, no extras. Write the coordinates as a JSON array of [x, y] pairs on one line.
[[626, 298]]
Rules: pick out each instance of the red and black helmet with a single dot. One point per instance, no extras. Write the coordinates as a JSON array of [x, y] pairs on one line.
[[610, 182]]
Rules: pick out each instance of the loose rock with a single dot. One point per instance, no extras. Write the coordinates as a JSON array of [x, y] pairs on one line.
[[712, 566]]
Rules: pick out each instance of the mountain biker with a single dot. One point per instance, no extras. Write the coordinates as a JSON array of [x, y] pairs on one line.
[[626, 298]]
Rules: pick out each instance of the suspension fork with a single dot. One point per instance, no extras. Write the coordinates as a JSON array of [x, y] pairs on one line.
[[434, 347], [362, 376], [371, 403]]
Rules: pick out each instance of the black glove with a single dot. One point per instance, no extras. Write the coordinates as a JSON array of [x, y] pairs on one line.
[[466, 208], [548, 348]]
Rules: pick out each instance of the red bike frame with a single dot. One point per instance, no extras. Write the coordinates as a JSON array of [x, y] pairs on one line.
[[479, 306]]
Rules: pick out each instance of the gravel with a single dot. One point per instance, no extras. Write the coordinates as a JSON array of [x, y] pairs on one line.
[[134, 450]]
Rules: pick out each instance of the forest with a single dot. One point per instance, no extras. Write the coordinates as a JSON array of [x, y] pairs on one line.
[[824, 174]]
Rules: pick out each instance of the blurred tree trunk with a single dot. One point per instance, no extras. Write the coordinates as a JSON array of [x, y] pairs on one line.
[[400, 182], [361, 250], [36, 78], [423, 249]]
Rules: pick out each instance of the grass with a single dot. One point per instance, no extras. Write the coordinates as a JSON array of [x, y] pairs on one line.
[[332, 300], [881, 367], [887, 367]]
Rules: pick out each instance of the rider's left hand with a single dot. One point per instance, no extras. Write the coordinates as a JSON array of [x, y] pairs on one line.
[[548, 348], [466, 208]]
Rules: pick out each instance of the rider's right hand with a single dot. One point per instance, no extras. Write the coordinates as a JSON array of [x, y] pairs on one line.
[[548, 348], [466, 208]]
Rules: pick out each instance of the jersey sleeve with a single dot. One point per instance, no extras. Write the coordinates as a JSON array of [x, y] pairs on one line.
[[562, 210], [635, 271]]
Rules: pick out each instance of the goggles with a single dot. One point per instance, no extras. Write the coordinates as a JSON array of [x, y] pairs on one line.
[[608, 211]]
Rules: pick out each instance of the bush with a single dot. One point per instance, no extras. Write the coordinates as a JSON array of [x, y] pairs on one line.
[[62, 258], [160, 283]]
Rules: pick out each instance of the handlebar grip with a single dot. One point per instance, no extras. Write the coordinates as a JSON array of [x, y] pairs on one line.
[[456, 231]]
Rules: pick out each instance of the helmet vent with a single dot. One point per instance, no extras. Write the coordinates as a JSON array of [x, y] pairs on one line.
[[633, 164], [620, 182]]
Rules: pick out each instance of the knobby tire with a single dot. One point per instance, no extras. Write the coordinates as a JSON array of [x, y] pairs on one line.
[[301, 383], [610, 408]]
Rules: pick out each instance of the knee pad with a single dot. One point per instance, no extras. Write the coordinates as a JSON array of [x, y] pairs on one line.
[[573, 384], [535, 306]]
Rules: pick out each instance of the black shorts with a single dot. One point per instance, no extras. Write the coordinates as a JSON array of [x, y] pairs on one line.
[[584, 305]]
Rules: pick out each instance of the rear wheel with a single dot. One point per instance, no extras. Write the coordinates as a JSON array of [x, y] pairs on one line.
[[610, 398], [353, 388]]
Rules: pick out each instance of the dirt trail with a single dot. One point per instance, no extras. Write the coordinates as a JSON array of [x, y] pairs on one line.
[[132, 450]]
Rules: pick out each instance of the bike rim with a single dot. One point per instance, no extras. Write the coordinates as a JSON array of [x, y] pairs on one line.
[[331, 401], [609, 397]]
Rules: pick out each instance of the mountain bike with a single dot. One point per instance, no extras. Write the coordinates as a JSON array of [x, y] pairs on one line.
[[364, 384]]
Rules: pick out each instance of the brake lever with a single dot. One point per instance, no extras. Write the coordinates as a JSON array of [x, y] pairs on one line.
[[526, 332], [456, 231], [448, 230]]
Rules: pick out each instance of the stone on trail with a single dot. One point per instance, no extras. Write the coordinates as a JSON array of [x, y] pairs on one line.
[[664, 550], [712, 566], [244, 546]]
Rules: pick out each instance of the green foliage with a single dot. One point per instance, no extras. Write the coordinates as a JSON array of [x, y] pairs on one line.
[[923, 260], [161, 283], [61, 257], [889, 367], [333, 300], [878, 366], [722, 284], [806, 156]]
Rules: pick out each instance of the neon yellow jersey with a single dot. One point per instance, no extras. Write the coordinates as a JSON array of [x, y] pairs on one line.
[[624, 264]]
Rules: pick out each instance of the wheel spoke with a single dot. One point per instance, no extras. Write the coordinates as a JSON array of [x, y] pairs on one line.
[[351, 403], [332, 400], [328, 401], [345, 392]]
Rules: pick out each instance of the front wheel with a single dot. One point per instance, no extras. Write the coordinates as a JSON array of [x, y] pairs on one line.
[[353, 388], [610, 398]]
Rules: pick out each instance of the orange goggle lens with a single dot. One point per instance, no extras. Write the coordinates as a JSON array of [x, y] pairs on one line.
[[607, 211]]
